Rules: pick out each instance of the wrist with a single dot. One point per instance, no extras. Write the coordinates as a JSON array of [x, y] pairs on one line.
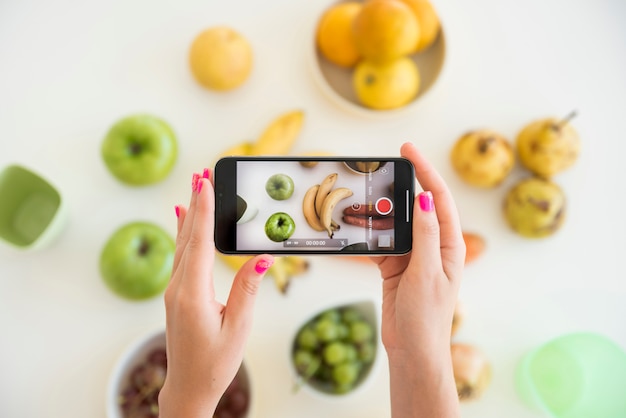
[[185, 404], [422, 384]]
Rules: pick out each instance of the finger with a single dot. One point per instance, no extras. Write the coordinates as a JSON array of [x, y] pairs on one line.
[[426, 254], [240, 304], [449, 224], [181, 213], [184, 229], [200, 249]]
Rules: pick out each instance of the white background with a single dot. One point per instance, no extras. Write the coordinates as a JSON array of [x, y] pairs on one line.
[[69, 69]]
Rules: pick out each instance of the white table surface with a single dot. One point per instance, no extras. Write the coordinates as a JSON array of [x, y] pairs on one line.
[[68, 70]]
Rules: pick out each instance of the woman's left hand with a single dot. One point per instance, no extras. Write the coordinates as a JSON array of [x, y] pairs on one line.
[[205, 338]]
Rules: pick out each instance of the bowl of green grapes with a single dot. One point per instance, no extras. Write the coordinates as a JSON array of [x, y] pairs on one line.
[[334, 351]]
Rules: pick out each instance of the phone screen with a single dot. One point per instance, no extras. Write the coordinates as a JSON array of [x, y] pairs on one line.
[[316, 206]]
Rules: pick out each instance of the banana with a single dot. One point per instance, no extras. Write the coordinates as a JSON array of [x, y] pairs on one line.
[[325, 187], [282, 271], [311, 164], [285, 268], [235, 262], [280, 135], [243, 148], [296, 264], [308, 208], [330, 202]]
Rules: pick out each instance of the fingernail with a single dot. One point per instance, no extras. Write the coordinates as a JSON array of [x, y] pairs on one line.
[[199, 186], [262, 266], [177, 209], [206, 174], [194, 181], [426, 201]]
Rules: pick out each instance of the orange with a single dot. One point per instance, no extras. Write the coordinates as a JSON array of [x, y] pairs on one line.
[[385, 30], [220, 58], [428, 22], [386, 85], [334, 34]]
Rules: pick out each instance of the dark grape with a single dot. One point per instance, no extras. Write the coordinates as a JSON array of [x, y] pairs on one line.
[[158, 357]]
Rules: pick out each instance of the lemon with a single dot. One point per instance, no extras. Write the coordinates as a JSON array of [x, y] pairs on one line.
[[385, 30], [387, 85], [220, 58], [334, 34]]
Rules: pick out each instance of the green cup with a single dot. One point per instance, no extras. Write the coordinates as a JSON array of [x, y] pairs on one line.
[[578, 375], [31, 209]]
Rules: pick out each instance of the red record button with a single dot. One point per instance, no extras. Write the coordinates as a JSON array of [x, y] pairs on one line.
[[384, 206]]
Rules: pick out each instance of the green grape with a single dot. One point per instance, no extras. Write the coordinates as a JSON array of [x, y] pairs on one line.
[[341, 389], [307, 338], [361, 332], [367, 352], [334, 353], [346, 373], [326, 330], [352, 353], [331, 314], [350, 315], [306, 362], [344, 331]]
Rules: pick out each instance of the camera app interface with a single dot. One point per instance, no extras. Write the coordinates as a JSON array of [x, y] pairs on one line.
[[315, 205]]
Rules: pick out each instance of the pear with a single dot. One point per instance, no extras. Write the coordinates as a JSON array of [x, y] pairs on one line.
[[548, 146], [482, 158], [535, 207]]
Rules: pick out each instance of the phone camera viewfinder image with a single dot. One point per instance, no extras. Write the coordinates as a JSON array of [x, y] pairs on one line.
[[316, 206]]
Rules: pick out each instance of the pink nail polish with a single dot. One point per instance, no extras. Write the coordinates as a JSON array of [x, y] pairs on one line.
[[426, 201], [177, 209], [199, 186], [206, 174], [194, 181], [262, 266]]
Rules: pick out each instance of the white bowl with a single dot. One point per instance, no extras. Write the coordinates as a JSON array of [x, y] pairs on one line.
[[367, 307], [336, 82], [135, 354]]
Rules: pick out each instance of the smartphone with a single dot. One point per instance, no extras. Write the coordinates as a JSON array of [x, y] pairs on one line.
[[314, 205]]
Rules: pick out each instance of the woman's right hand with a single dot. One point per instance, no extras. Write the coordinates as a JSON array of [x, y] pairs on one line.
[[420, 291]]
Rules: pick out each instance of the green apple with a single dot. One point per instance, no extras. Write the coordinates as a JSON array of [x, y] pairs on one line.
[[279, 227], [279, 187], [140, 150], [136, 262]]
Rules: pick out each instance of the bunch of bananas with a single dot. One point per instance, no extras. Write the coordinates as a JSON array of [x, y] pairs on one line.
[[282, 271], [277, 139], [320, 201]]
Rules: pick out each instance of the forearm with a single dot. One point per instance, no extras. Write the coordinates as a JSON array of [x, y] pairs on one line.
[[422, 388]]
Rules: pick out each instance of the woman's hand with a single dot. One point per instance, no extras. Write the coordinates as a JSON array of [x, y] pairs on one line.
[[205, 339], [419, 295]]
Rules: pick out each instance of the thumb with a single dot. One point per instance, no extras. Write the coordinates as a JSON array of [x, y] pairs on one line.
[[240, 304], [426, 254]]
